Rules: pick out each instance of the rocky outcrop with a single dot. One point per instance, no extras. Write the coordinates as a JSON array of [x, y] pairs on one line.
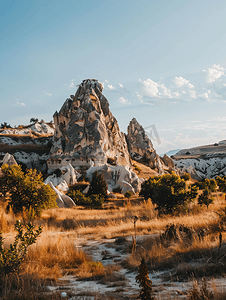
[[207, 161], [139, 144], [9, 159], [62, 200], [86, 132], [117, 176], [141, 149], [63, 177]]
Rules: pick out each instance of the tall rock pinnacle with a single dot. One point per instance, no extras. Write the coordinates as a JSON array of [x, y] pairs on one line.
[[86, 132]]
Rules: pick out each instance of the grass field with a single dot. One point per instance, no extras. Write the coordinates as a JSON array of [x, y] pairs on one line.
[[54, 254]]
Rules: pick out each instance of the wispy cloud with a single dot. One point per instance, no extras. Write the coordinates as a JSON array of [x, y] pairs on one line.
[[20, 103], [111, 87], [123, 100], [48, 94], [121, 85], [71, 85]]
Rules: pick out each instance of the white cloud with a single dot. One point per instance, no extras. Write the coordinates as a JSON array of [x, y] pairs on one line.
[[121, 85], [204, 95], [48, 94], [180, 81], [123, 100], [154, 89], [20, 103], [71, 85], [72, 79], [214, 73], [111, 87]]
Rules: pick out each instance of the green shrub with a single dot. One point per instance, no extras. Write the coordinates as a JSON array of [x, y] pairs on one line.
[[144, 282], [98, 185], [168, 192], [205, 198], [11, 259], [128, 194], [95, 200], [27, 190]]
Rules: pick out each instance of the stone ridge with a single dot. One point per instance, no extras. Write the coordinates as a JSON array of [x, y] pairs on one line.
[[141, 149], [139, 143], [86, 132]]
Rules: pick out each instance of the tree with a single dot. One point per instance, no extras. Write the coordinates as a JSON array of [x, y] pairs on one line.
[[27, 190], [5, 125], [98, 185], [168, 192], [205, 198], [144, 282], [33, 120]]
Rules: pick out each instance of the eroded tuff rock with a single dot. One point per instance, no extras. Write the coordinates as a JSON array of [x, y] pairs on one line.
[[117, 176], [86, 133], [63, 177], [141, 149]]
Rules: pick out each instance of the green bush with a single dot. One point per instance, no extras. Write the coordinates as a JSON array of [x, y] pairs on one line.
[[27, 190], [168, 192], [79, 198], [98, 185], [205, 198], [11, 259], [128, 194], [95, 200]]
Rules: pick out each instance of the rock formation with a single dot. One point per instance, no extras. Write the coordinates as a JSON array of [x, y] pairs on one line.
[[86, 133], [117, 176], [207, 161], [9, 159], [63, 177], [62, 200], [141, 149]]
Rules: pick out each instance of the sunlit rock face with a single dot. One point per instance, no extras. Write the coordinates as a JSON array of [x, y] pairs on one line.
[[139, 144], [141, 149], [86, 132]]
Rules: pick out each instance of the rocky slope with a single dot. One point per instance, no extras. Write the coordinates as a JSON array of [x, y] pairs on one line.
[[203, 162], [141, 149], [30, 145]]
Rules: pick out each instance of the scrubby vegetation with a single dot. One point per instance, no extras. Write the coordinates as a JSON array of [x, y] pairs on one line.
[[186, 244], [26, 189], [168, 192]]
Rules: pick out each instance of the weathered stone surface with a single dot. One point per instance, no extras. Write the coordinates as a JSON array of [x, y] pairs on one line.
[[141, 149], [65, 176], [117, 176], [62, 200], [9, 160], [86, 133], [139, 144]]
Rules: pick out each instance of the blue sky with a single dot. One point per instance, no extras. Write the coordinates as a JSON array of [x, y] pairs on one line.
[[162, 62]]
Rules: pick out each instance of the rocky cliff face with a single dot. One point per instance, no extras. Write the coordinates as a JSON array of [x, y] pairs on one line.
[[141, 149], [86, 133]]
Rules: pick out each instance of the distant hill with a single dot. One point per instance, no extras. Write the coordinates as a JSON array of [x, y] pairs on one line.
[[171, 152]]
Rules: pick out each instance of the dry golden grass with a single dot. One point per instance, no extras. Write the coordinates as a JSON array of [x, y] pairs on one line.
[[145, 171]]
